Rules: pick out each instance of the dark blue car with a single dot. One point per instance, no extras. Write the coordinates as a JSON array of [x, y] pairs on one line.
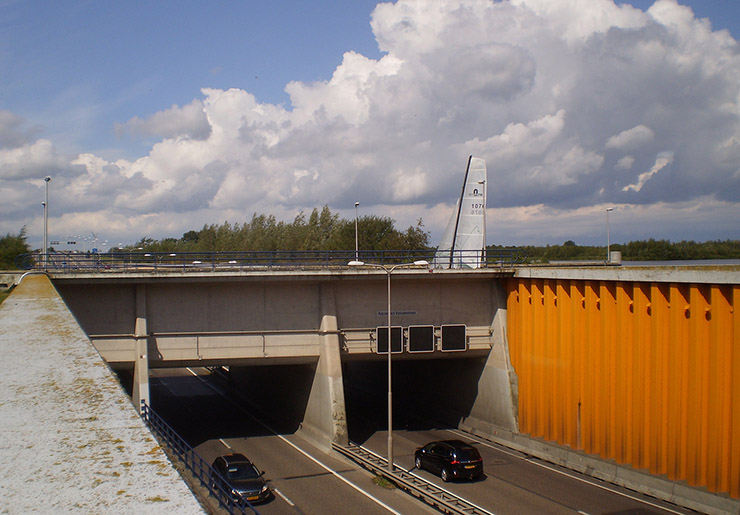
[[238, 478]]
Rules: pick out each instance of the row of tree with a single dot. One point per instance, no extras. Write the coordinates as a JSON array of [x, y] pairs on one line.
[[649, 250], [324, 230]]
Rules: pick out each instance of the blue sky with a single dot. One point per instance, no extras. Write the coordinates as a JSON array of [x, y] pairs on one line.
[[105, 63], [157, 118]]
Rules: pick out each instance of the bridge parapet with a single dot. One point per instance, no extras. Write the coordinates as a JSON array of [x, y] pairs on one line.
[[153, 262]]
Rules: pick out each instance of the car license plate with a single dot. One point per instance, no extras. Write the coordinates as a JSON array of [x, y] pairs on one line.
[[469, 466], [253, 498]]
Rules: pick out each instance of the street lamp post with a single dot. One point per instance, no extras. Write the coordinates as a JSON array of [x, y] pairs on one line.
[[608, 243], [389, 271], [357, 253], [46, 222]]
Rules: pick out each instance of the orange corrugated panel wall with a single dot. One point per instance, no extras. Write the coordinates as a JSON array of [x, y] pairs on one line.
[[646, 374]]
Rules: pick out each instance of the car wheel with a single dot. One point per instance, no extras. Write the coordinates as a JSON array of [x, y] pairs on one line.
[[445, 475], [417, 462]]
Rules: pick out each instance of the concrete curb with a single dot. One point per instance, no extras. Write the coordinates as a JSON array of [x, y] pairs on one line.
[[675, 492]]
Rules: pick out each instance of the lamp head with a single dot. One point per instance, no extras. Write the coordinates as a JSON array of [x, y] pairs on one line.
[[356, 263]]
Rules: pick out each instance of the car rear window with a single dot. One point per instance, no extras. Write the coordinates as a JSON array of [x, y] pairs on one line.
[[468, 454]]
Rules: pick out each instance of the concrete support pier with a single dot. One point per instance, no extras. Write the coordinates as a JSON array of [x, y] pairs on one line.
[[496, 403], [141, 364], [70, 439], [326, 418]]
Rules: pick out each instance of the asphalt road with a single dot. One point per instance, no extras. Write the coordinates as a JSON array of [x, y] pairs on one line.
[[303, 478], [308, 480]]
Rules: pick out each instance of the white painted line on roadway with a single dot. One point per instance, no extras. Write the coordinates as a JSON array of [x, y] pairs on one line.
[[325, 467], [225, 444], [564, 473], [292, 505], [408, 471], [623, 494], [333, 472]]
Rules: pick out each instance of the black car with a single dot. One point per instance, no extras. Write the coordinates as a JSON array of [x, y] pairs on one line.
[[451, 459], [236, 476]]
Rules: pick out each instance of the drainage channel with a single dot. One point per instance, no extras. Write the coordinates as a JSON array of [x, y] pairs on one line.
[[430, 493]]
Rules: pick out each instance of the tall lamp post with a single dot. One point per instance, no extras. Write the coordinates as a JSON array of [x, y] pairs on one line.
[[357, 253], [389, 270], [46, 222], [608, 243]]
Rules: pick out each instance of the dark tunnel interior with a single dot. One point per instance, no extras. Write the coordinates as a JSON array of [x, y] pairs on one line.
[[427, 394]]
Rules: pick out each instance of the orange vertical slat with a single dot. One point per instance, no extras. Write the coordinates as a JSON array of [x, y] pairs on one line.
[[700, 301], [596, 348], [686, 433], [555, 359], [647, 374], [578, 314], [691, 458], [565, 335], [625, 371], [717, 314], [680, 436], [538, 358], [641, 388], [524, 369], [659, 334], [614, 368], [734, 451], [709, 403]]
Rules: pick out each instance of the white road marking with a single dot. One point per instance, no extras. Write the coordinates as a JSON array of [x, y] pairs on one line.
[[408, 471], [325, 467], [283, 497], [582, 480], [225, 444]]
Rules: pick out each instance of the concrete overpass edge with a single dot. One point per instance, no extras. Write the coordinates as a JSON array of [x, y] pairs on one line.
[[68, 426]]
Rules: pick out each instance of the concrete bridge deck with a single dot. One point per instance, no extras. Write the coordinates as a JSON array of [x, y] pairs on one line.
[[71, 438]]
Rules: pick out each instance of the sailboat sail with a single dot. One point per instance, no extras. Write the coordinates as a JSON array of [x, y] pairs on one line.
[[464, 240]]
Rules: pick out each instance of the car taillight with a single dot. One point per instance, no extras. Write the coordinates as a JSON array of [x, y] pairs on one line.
[[454, 462]]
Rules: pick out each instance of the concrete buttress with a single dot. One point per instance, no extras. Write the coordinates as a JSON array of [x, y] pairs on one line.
[[141, 364], [496, 402], [325, 420]]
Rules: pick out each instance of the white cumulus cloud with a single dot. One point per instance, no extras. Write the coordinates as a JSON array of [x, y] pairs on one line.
[[663, 160], [564, 100]]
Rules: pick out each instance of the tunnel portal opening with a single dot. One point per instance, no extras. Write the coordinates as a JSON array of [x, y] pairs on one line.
[[427, 394]]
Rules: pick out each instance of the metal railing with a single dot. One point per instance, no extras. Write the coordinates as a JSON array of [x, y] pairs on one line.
[[153, 262], [200, 469], [439, 498]]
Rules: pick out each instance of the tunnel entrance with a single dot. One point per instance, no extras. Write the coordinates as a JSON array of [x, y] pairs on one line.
[[279, 392], [427, 394], [276, 395]]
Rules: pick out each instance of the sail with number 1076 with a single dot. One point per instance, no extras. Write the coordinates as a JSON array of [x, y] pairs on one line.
[[463, 243]]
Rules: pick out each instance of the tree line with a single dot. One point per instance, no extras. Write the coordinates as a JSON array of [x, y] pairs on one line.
[[645, 250], [324, 230], [321, 230]]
